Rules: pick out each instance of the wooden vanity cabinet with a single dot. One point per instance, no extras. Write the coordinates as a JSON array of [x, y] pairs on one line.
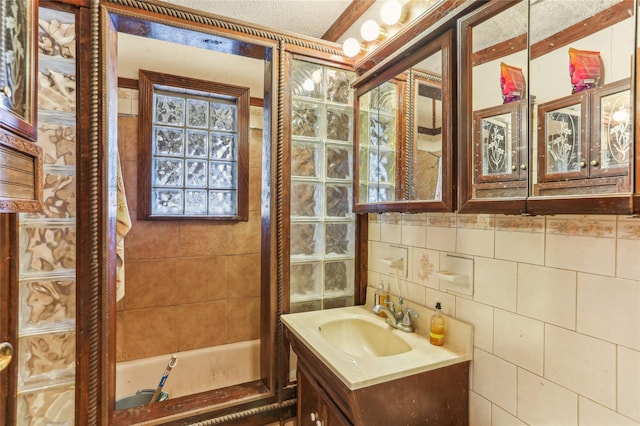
[[439, 396]]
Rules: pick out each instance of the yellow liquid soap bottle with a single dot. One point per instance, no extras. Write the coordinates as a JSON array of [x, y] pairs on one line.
[[436, 329], [381, 297]]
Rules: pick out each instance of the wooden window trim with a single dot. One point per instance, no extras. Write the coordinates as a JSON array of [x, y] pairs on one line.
[[150, 81]]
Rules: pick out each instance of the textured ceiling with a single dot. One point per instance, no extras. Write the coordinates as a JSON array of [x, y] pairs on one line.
[[308, 17]]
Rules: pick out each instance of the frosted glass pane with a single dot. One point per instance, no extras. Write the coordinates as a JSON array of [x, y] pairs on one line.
[[339, 239], [196, 173], [222, 202], [223, 147], [46, 359], [338, 277], [382, 131], [197, 143], [47, 304], [59, 194], [222, 175], [339, 85], [223, 117], [166, 201], [339, 162], [168, 172], [47, 248], [306, 199], [168, 141], [55, 406], [305, 280], [306, 119], [306, 80], [57, 138], [338, 200], [197, 113], [339, 124], [305, 159], [306, 239], [168, 110], [195, 201]]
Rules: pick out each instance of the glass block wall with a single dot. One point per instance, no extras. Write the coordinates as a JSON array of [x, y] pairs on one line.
[[377, 144], [322, 233], [47, 275]]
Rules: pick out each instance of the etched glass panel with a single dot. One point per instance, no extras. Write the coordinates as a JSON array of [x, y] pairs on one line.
[[306, 80], [47, 304], [339, 239], [197, 113], [196, 174], [615, 132], [197, 143], [306, 119], [168, 110], [45, 359], [563, 133], [168, 141], [339, 162], [338, 277], [305, 280], [223, 117], [47, 248], [339, 85], [221, 174], [338, 201], [223, 147], [195, 201], [305, 159], [306, 239], [496, 145], [222, 202], [168, 172], [306, 199], [54, 406], [339, 124], [166, 201]]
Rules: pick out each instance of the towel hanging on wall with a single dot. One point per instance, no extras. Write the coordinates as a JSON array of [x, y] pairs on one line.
[[123, 224]]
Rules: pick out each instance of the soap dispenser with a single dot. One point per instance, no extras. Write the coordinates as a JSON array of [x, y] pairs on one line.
[[436, 328], [381, 297]]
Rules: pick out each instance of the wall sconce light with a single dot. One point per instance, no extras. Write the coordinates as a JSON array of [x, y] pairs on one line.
[[351, 47], [371, 31], [393, 12]]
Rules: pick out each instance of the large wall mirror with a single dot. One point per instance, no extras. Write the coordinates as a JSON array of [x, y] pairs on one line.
[[404, 133]]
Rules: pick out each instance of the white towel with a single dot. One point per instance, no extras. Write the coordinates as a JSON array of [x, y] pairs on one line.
[[123, 224]]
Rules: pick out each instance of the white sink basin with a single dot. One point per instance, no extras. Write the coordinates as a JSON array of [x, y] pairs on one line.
[[362, 350], [359, 337]]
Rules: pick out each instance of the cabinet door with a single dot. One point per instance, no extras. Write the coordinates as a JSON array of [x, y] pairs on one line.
[[308, 400], [332, 414]]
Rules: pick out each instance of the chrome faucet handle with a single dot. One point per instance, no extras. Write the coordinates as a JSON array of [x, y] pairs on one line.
[[406, 320]]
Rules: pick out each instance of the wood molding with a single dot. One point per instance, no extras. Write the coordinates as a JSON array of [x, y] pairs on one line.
[[499, 50], [351, 14]]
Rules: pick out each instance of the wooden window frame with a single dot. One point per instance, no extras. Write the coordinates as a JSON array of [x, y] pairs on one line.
[[149, 82]]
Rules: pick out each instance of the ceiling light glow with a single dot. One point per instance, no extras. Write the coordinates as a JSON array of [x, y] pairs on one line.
[[392, 12], [370, 30], [351, 47]]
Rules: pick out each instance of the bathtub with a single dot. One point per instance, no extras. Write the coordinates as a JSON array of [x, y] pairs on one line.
[[197, 370]]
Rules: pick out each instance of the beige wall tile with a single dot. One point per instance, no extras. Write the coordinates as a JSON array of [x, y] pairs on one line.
[[447, 300], [583, 254], [499, 417], [151, 240], [243, 276], [150, 283], [547, 294], [519, 340], [195, 276], [592, 414], [414, 231], [495, 379], [201, 325], [201, 239], [423, 266], [606, 307], [244, 237], [479, 242], [391, 228], [525, 247], [627, 265], [243, 319], [481, 316], [495, 283], [479, 410], [581, 363], [541, 402], [128, 138], [124, 101], [374, 227], [149, 332], [629, 382], [441, 231]]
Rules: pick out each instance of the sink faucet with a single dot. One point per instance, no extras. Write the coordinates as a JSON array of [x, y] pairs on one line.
[[399, 320]]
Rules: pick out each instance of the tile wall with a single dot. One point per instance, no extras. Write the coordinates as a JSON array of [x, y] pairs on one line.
[[556, 309], [189, 284]]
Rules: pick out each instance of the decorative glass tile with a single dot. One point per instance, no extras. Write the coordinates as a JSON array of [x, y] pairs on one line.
[[56, 91], [382, 166], [308, 306], [195, 201], [338, 302], [382, 131], [197, 113], [53, 406], [196, 173], [47, 248], [338, 276], [168, 110], [305, 120], [57, 33], [306, 80], [339, 85], [168, 141], [306, 239], [197, 143], [339, 162], [223, 147], [339, 239], [166, 201], [168, 172], [305, 280], [338, 200], [306, 199], [305, 159], [58, 143], [339, 124], [223, 117], [59, 195], [222, 174], [384, 98], [47, 303], [222, 202], [45, 359]]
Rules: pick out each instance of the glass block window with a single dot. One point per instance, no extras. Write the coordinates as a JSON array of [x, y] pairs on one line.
[[322, 230], [194, 148]]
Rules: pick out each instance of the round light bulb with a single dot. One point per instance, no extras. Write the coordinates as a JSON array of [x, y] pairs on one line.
[[370, 30], [351, 47], [391, 12]]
